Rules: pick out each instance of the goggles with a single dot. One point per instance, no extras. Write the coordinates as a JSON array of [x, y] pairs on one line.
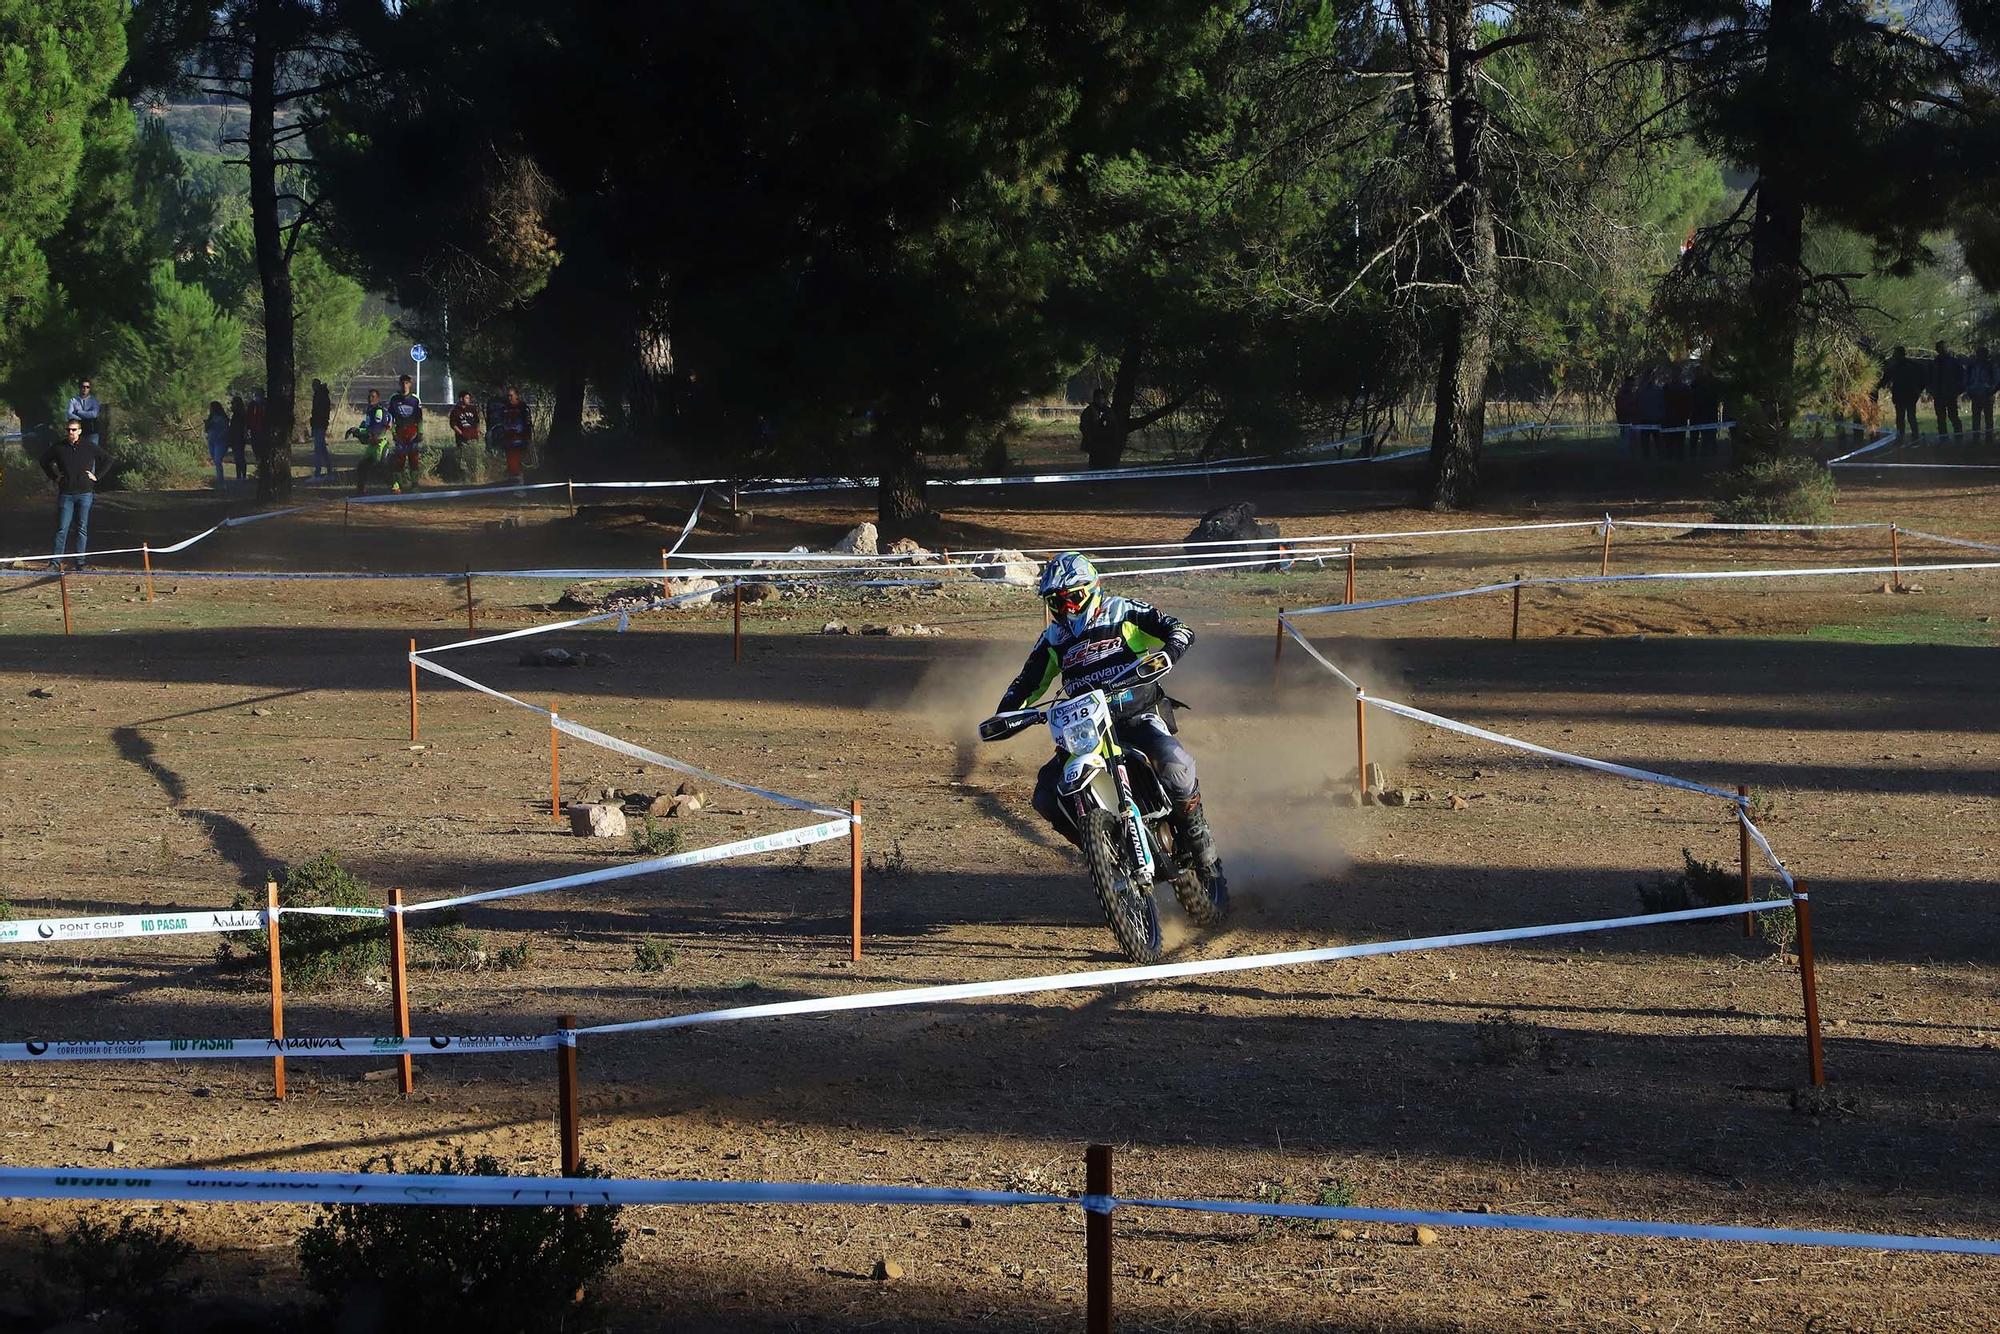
[[1067, 601]]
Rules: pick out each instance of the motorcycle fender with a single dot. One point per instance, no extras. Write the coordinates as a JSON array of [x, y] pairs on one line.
[[1078, 774]]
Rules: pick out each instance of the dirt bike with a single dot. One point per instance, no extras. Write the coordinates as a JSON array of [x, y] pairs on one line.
[[1120, 811]]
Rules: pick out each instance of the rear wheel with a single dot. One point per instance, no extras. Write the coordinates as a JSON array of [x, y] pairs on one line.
[[1129, 909]]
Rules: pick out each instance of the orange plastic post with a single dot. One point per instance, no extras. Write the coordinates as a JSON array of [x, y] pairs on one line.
[[1809, 984], [62, 579], [1743, 853], [413, 690], [146, 558], [1361, 744], [399, 987], [277, 987], [555, 768], [566, 1098], [1097, 1241], [854, 869]]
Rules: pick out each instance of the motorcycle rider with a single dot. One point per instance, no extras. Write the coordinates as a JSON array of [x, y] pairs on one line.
[[1091, 638]]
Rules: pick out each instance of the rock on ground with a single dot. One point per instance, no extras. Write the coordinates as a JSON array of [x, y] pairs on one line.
[[860, 541], [1230, 523], [597, 820], [696, 587], [1006, 567]]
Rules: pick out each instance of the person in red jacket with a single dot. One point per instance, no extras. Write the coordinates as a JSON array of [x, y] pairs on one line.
[[512, 427]]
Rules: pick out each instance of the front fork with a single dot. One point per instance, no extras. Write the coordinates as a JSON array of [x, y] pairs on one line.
[[1128, 814]]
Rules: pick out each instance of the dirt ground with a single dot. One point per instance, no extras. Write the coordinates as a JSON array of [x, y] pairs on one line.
[[189, 746]]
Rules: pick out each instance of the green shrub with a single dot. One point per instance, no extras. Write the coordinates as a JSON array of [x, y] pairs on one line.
[[1779, 927], [653, 955], [656, 839], [512, 958], [318, 950], [1698, 884], [465, 465], [1790, 489], [156, 465], [491, 1268], [92, 1266], [444, 944]]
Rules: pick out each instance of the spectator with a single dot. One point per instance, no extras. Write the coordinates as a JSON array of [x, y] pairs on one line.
[[84, 407], [1947, 387], [322, 417], [217, 429], [253, 419], [1678, 401], [1652, 412], [73, 465], [513, 427], [406, 416], [1982, 380], [493, 406], [1094, 427], [1907, 380], [464, 421], [373, 433], [239, 433]]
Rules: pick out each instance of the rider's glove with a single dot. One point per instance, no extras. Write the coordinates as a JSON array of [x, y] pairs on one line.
[[1177, 643]]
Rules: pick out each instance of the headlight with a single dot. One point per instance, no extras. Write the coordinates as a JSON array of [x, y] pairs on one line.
[[1079, 738]]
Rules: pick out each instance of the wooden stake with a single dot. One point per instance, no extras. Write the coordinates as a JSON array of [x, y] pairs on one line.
[[736, 611], [555, 768], [413, 690], [1097, 1242], [1604, 557], [571, 484], [854, 869], [62, 580], [399, 987], [566, 1122], [1743, 853], [1896, 555], [345, 513], [1516, 633], [1350, 573], [277, 986], [1809, 984], [1361, 744], [471, 622], [146, 557], [1278, 652], [665, 556]]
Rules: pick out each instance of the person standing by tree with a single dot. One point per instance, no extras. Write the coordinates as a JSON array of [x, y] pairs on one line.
[[1906, 380], [84, 407], [464, 421], [373, 433], [1095, 428], [73, 465], [514, 426], [216, 428], [322, 417], [1947, 386], [239, 433], [254, 422], [406, 416], [1982, 380]]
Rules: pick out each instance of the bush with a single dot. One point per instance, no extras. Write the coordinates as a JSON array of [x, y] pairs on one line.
[[1698, 884], [512, 958], [318, 950], [490, 1268], [156, 465], [132, 1268], [1505, 1040], [1789, 489], [163, 372], [1779, 928], [466, 465], [656, 839], [653, 955]]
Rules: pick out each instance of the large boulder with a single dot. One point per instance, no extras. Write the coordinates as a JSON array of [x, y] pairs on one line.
[[860, 541], [703, 591], [1006, 567], [1232, 523]]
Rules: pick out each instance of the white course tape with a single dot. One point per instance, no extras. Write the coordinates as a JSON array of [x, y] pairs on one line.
[[1307, 645], [748, 847], [1952, 541], [1881, 441], [1750, 527], [464, 680], [608, 742], [1105, 977], [167, 922], [1950, 467], [1584, 761], [1777, 863], [399, 1188], [237, 1049]]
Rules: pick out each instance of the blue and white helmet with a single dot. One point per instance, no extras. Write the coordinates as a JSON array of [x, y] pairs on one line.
[[1069, 586]]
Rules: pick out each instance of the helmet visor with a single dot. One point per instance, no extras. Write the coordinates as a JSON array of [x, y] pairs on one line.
[[1067, 601]]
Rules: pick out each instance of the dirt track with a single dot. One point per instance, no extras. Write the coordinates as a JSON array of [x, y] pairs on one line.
[[1670, 1054]]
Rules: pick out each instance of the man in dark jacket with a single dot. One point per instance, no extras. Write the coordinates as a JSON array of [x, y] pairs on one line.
[[1907, 381], [1947, 387], [74, 465]]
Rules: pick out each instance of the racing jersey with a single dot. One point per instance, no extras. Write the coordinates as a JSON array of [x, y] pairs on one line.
[[1118, 634], [408, 415], [512, 420], [465, 423], [374, 420]]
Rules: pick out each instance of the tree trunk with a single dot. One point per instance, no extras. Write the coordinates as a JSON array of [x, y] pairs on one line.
[[566, 419], [650, 379], [1767, 359], [1455, 130], [901, 499], [1124, 389], [274, 447]]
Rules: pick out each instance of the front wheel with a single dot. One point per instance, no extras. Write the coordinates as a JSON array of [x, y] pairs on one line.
[[1129, 909]]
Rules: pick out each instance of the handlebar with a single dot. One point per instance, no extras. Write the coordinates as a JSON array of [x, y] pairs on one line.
[[1141, 673]]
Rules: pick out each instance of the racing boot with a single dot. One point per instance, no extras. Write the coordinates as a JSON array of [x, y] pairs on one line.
[[1192, 831]]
